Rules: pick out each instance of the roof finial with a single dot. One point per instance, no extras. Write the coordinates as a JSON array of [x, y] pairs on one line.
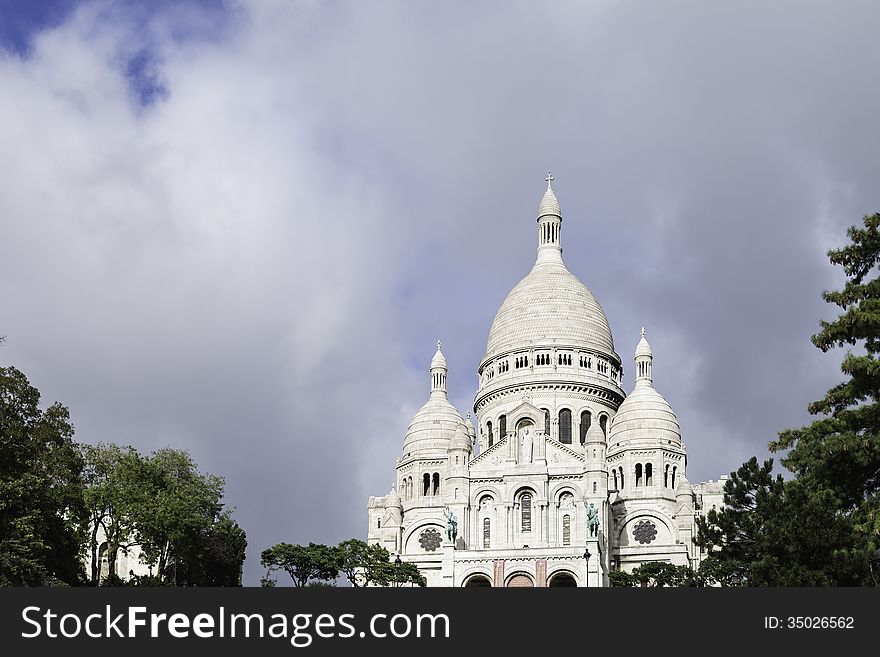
[[438, 341], [549, 179], [643, 331]]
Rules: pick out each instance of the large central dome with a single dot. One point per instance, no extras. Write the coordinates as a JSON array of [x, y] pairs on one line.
[[550, 306]]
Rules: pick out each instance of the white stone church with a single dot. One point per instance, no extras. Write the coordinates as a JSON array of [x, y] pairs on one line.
[[557, 434]]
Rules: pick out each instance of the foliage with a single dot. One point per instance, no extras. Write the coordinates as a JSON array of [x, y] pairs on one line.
[[215, 558], [773, 532], [114, 487], [41, 497], [176, 510], [656, 573], [362, 564], [304, 564], [838, 455]]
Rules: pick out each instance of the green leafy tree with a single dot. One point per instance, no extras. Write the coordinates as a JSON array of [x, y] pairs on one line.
[[656, 573], [838, 456], [177, 511], [213, 559], [41, 501], [304, 563], [404, 573], [115, 480]]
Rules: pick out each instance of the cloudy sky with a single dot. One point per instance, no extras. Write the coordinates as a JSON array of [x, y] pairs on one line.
[[239, 228]]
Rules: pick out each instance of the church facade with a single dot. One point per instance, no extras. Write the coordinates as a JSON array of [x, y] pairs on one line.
[[562, 476]]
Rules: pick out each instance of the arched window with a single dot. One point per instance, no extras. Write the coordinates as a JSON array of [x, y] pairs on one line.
[[489, 431], [566, 529], [594, 486], [673, 477], [615, 479], [379, 523], [486, 533], [586, 420], [565, 426], [426, 480], [436, 483], [502, 427], [603, 424], [638, 474], [649, 474], [547, 421], [526, 509], [621, 478], [666, 476]]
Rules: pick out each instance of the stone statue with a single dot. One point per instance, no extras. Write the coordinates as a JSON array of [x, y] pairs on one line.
[[451, 524], [526, 443], [592, 519]]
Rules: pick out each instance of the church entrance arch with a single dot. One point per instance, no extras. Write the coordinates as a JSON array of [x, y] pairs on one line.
[[478, 580], [520, 581], [562, 579]]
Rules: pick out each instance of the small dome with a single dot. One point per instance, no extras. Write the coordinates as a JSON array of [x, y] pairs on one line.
[[461, 439], [438, 361], [594, 434], [643, 348], [393, 499], [433, 426], [683, 487], [549, 205], [644, 415]]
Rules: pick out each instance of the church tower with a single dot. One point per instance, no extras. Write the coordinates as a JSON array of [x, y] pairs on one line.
[[647, 459]]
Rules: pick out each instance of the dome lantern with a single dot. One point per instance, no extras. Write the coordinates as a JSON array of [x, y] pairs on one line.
[[644, 360], [549, 226], [438, 373]]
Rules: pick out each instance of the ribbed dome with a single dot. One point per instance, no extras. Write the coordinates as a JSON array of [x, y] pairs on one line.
[[644, 415], [549, 205], [461, 439], [433, 426], [643, 348], [550, 304]]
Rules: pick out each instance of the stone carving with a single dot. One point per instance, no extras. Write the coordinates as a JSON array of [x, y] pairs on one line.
[[430, 540], [451, 524], [566, 501], [526, 445], [592, 519]]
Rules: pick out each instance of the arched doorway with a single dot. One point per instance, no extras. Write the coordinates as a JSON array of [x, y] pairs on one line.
[[562, 579], [478, 580], [520, 581]]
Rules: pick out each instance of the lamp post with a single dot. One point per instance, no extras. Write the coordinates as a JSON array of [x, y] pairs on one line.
[[587, 556]]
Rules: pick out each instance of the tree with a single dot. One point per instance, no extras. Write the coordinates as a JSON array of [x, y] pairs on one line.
[[773, 532], [304, 564], [41, 501], [656, 573], [838, 455], [178, 507], [215, 558], [115, 486], [404, 573]]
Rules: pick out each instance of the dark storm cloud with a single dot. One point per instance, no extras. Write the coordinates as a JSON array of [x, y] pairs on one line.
[[255, 266]]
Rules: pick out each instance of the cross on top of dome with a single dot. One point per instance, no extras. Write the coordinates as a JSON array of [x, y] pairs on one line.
[[549, 179]]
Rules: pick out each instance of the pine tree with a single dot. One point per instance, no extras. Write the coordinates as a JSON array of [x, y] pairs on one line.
[[837, 457]]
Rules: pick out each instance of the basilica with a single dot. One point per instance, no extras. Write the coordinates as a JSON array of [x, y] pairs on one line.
[[561, 477]]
